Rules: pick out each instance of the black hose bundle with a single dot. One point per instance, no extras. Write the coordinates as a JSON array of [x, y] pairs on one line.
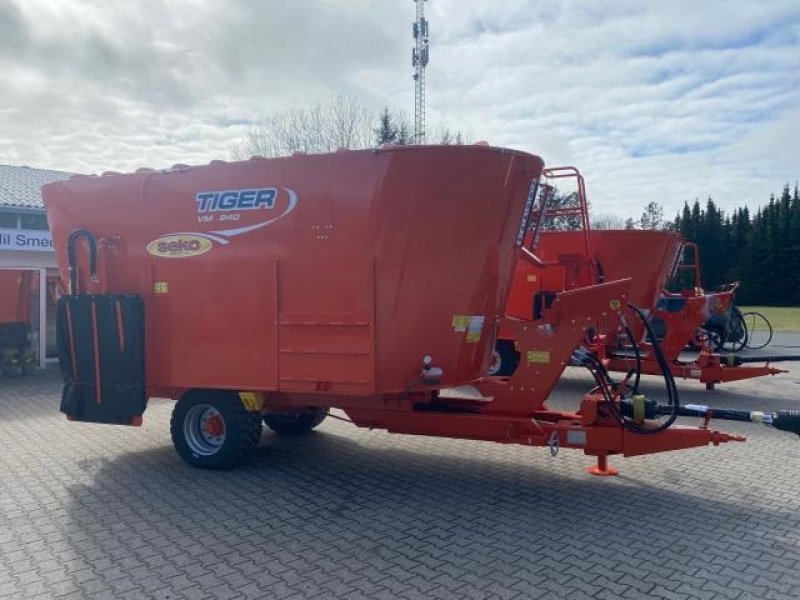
[[672, 391], [609, 388], [638, 356]]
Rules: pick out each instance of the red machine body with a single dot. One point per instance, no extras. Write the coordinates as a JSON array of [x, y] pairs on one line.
[[15, 296], [371, 281], [644, 256], [331, 282]]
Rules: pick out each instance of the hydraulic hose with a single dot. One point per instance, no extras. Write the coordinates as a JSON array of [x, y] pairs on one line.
[[784, 420], [76, 235], [740, 360], [673, 404], [638, 355], [622, 412]]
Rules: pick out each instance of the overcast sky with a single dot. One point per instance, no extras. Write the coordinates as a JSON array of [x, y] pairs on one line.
[[663, 101]]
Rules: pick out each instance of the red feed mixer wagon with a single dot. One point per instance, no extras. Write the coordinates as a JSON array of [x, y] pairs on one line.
[[581, 256], [16, 291], [271, 290], [678, 320]]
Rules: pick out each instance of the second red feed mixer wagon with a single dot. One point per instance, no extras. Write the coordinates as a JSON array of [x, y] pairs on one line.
[[17, 290], [269, 290], [573, 255]]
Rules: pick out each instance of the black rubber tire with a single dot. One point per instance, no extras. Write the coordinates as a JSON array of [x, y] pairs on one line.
[[242, 429], [297, 423], [735, 333], [506, 359]]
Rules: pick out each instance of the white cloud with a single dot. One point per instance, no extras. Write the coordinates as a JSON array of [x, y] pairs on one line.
[[665, 101], [650, 101]]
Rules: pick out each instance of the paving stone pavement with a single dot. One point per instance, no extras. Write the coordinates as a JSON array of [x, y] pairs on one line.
[[93, 511]]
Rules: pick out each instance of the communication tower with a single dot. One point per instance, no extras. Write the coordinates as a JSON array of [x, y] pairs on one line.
[[419, 60]]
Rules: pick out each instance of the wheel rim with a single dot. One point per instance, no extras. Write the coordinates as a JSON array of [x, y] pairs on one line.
[[497, 362], [204, 429]]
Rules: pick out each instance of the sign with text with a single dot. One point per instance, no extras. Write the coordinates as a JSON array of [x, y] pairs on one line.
[[26, 239]]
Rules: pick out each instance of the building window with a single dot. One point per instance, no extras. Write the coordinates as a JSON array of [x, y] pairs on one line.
[[8, 220], [33, 221]]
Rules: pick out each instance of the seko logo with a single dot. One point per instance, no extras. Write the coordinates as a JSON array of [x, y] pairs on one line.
[[179, 246]]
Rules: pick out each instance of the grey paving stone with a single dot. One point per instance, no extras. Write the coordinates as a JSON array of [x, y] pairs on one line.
[[91, 511]]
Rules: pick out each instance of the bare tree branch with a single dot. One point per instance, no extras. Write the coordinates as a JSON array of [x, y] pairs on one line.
[[607, 221], [342, 122]]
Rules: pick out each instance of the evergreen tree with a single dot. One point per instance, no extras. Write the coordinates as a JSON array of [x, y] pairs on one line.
[[711, 244], [794, 247], [652, 216], [684, 224], [761, 251], [386, 132], [693, 230], [558, 200], [404, 135], [784, 273]]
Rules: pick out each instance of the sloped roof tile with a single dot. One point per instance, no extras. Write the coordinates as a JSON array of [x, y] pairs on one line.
[[20, 187]]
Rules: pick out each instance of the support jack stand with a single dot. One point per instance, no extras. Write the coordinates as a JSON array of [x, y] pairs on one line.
[[601, 468]]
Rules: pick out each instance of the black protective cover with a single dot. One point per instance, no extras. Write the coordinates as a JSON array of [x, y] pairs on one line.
[[119, 353]]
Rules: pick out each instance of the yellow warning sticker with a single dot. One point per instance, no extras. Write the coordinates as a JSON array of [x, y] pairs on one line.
[[474, 329], [460, 323], [615, 304], [160, 287], [531, 278], [252, 401], [537, 356]]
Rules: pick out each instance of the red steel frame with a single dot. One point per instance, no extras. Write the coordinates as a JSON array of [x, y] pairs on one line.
[[513, 410]]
